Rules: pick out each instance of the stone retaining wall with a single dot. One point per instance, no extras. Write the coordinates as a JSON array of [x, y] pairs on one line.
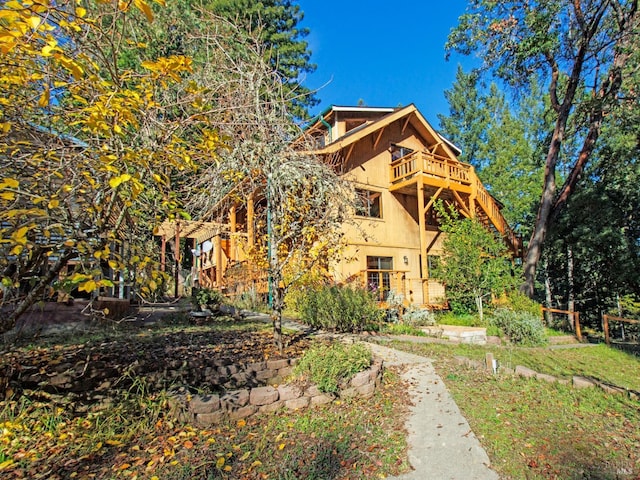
[[576, 381], [211, 409]]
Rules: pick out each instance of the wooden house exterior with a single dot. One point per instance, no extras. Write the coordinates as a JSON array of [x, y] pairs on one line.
[[398, 166]]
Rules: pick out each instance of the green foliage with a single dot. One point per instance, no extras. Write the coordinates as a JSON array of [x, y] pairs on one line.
[[403, 329], [208, 296], [341, 308], [329, 365], [629, 306], [522, 328], [475, 263], [517, 301], [503, 140], [463, 320]]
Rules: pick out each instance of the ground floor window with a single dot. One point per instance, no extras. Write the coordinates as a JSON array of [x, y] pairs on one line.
[[379, 275]]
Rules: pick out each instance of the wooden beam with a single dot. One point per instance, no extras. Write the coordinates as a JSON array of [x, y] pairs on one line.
[[218, 250], [406, 123], [463, 207], [346, 158], [232, 237], [250, 220], [424, 274], [433, 198], [377, 140]]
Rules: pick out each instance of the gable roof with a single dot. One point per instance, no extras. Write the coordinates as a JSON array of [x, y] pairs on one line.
[[411, 115]]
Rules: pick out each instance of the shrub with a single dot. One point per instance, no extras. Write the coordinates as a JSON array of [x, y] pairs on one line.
[[419, 317], [340, 308], [249, 300], [208, 297], [328, 365], [519, 302], [460, 319], [403, 329], [522, 328]]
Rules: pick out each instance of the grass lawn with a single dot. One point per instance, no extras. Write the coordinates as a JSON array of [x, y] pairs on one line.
[[532, 429], [54, 434]]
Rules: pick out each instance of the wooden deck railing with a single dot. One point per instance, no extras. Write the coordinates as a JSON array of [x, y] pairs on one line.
[[458, 176], [423, 162]]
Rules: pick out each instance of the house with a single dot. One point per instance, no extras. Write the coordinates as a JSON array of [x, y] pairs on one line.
[[399, 166]]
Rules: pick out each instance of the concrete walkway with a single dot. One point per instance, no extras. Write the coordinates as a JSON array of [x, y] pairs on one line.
[[441, 443]]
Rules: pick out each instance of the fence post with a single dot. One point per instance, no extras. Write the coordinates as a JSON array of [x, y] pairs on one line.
[[576, 321], [605, 322]]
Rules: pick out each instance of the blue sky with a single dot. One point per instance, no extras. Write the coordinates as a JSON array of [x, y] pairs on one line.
[[387, 53]]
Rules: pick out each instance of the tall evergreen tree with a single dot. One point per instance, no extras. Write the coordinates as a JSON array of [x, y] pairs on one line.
[[277, 24], [501, 140], [468, 118]]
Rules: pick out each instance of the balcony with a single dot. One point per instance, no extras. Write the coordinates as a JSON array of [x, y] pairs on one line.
[[460, 178]]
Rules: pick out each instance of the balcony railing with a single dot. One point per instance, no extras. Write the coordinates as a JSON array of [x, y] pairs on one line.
[[432, 165]]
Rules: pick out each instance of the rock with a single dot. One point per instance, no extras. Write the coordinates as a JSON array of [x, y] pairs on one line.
[[236, 399], [263, 395], [289, 392], [525, 372]]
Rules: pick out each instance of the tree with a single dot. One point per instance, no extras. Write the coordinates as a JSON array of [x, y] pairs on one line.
[[87, 172], [300, 203], [276, 24], [600, 227], [474, 263], [502, 140], [578, 50], [468, 120]]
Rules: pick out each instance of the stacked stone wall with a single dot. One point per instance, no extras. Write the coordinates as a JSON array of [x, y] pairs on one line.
[[208, 409]]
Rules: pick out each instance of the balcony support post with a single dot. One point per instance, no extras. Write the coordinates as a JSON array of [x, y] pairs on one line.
[[424, 274]]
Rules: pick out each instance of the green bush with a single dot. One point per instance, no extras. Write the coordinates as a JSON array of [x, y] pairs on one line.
[[459, 319], [522, 328], [519, 302], [403, 329], [207, 296], [328, 365], [342, 309]]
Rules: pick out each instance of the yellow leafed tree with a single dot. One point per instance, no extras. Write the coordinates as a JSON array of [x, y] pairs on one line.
[[89, 151]]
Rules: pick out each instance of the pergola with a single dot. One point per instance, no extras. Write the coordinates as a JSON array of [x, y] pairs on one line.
[[177, 229]]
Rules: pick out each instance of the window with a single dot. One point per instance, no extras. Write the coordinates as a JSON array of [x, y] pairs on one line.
[[433, 262], [368, 204], [379, 275], [398, 151]]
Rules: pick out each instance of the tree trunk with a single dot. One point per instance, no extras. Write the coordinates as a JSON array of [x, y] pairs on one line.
[[571, 294], [479, 306], [277, 305], [548, 316], [539, 233], [10, 321]]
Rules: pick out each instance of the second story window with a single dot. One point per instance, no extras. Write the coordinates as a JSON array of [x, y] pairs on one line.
[[398, 151], [368, 204]]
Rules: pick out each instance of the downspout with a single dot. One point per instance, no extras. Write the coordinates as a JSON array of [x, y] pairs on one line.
[[329, 127]]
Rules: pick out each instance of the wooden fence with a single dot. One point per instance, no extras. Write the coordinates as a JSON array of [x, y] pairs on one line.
[[605, 322], [574, 315]]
